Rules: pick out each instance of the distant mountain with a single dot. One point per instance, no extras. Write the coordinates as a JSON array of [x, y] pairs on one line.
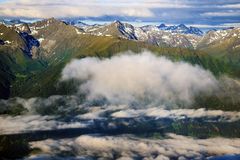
[[181, 29], [151, 34], [11, 22], [75, 22], [168, 36], [162, 35], [117, 28], [221, 42]]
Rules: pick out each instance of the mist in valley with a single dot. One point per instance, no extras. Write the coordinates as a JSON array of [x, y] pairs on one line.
[[126, 95]]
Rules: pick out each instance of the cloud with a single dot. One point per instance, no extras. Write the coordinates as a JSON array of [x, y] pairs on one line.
[[30, 123], [159, 112], [61, 112], [221, 14], [236, 6], [172, 12], [40, 114], [53, 105], [62, 8], [224, 25], [74, 8], [130, 147], [142, 78], [174, 146]]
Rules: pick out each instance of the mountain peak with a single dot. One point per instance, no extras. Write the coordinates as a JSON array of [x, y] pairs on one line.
[[162, 26], [117, 22], [76, 23], [182, 25], [52, 20]]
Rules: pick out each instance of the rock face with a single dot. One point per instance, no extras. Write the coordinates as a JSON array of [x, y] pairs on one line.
[[22, 28]]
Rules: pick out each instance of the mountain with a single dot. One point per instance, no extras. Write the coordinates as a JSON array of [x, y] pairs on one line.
[[221, 42], [160, 37], [75, 22], [11, 37], [162, 26], [117, 28], [181, 28], [56, 44], [168, 36], [36, 35], [11, 21], [33, 55], [150, 34]]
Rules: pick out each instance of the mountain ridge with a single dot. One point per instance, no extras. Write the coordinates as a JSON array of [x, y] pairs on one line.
[[52, 44]]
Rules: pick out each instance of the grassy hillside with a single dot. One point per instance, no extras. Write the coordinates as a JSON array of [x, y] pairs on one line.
[[45, 83], [14, 64], [38, 76], [47, 71]]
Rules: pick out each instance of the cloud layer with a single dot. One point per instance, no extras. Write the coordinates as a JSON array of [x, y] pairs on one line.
[[169, 11], [62, 112], [143, 78], [130, 147]]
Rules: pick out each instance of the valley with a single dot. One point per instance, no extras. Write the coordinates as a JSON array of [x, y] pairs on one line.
[[65, 84]]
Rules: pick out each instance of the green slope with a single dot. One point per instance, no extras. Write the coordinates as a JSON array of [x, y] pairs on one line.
[[23, 76]]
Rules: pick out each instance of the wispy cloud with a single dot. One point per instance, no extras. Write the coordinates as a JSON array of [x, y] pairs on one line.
[[237, 5], [93, 8], [206, 12], [222, 14]]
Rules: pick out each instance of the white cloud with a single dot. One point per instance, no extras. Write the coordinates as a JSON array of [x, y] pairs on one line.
[[31, 120], [224, 25], [233, 6], [142, 78], [175, 146], [64, 8], [29, 123], [131, 147], [159, 112], [46, 9], [221, 14]]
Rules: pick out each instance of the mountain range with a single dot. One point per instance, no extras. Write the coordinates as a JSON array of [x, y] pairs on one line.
[[32, 55], [161, 35]]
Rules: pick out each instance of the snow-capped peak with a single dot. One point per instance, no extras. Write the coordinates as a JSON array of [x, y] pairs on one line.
[[181, 28]]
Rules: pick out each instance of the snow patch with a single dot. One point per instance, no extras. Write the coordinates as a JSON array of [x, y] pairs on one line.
[[78, 32], [41, 40], [8, 42]]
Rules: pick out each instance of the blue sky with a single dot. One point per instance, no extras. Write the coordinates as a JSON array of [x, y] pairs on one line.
[[196, 12]]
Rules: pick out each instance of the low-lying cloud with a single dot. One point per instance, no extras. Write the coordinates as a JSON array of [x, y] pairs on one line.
[[130, 147], [133, 78], [30, 123], [157, 112]]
